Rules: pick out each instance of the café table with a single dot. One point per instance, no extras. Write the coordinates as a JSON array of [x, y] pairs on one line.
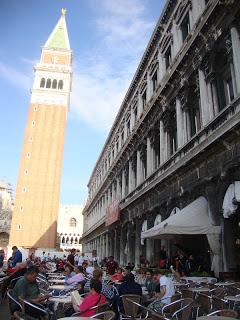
[[60, 287], [234, 299], [224, 284], [200, 279], [57, 281], [214, 318], [79, 318], [199, 289]]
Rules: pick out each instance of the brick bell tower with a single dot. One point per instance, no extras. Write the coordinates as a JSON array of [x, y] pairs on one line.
[[34, 222]]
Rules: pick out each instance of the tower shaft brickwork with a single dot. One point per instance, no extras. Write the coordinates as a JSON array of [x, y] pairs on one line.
[[34, 223]]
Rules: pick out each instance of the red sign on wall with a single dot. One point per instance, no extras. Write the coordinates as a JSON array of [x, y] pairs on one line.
[[112, 213]]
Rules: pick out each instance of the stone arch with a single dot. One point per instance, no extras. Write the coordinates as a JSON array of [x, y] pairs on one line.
[[73, 222]]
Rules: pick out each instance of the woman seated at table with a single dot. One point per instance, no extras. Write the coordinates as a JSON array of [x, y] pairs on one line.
[[141, 277], [93, 299], [68, 272], [78, 277], [118, 276]]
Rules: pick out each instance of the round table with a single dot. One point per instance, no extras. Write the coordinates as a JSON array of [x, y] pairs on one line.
[[200, 279], [232, 298], [60, 287], [215, 318], [60, 281], [83, 318], [224, 284], [199, 289]]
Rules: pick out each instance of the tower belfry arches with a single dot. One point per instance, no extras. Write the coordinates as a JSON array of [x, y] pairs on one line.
[[34, 222]]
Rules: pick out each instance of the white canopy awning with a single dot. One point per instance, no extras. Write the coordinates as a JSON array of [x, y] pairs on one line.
[[193, 219]]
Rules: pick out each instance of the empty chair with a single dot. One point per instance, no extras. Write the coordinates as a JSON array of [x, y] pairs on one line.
[[218, 303], [107, 315], [185, 312], [204, 302], [224, 313], [218, 292]]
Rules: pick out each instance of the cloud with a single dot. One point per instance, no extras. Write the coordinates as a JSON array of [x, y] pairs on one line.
[[16, 77], [101, 79]]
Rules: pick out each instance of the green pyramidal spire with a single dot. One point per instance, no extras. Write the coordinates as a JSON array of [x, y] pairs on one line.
[[59, 37]]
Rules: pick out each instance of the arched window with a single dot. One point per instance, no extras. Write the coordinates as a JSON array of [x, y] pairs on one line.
[[60, 84], [79, 241], [48, 83], [72, 240], [63, 239], [73, 222], [42, 83], [54, 84], [67, 240], [76, 241]]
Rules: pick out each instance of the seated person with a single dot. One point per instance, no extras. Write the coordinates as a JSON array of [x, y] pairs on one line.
[[107, 290], [27, 288], [141, 277], [150, 283], [164, 296], [129, 286], [93, 299], [78, 277], [68, 272], [118, 276], [90, 269]]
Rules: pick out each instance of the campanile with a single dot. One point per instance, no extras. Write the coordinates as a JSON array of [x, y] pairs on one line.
[[34, 222]]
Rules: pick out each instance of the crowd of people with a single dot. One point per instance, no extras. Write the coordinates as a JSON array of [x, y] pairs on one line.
[[104, 281]]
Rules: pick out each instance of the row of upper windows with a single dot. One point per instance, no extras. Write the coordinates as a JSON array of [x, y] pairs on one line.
[[51, 84], [149, 89]]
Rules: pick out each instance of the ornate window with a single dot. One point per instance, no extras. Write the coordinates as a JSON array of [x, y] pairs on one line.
[[73, 222], [54, 84], [48, 83], [60, 84], [42, 83]]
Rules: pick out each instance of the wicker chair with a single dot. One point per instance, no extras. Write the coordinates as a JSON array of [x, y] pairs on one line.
[[205, 303], [224, 313], [34, 310], [184, 309], [218, 292], [107, 315], [218, 303], [12, 301], [99, 309], [130, 310]]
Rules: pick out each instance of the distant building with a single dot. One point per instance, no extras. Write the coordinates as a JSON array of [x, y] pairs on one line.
[[169, 172], [34, 223], [6, 209], [70, 226]]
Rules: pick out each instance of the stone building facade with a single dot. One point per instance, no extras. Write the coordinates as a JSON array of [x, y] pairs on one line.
[[70, 226], [175, 138], [6, 209]]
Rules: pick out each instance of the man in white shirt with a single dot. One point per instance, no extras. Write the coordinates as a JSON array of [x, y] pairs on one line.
[[90, 268], [164, 296]]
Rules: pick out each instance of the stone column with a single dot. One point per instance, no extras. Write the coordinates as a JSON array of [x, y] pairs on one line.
[[177, 39], [162, 66], [115, 243], [139, 168], [137, 243], [123, 183], [130, 176], [210, 101], [140, 107], [162, 143], [204, 98], [149, 87], [107, 245], [131, 120], [149, 157], [236, 55], [185, 127], [180, 129], [122, 247]]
